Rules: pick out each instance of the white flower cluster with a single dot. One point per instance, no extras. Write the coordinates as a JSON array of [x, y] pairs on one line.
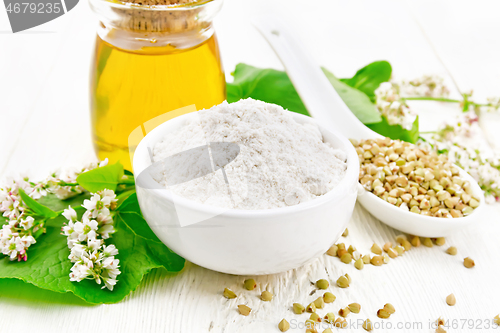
[[390, 98], [425, 86], [21, 230], [91, 257], [493, 104], [392, 107], [464, 143], [16, 236], [55, 183], [462, 139]]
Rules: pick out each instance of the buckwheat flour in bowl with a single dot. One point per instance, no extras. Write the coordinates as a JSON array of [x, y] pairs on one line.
[[280, 161]]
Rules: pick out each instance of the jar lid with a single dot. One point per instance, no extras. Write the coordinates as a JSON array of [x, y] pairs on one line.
[[161, 2], [166, 16]]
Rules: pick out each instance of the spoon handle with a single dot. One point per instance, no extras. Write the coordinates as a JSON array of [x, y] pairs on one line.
[[313, 87]]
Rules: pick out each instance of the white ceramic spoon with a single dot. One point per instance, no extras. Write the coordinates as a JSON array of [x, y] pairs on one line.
[[325, 105]]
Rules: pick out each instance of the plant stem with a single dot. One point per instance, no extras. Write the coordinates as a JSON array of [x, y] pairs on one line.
[[129, 181], [437, 99], [442, 99], [63, 183]]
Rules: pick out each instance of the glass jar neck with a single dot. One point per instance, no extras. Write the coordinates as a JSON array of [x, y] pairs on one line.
[[155, 28]]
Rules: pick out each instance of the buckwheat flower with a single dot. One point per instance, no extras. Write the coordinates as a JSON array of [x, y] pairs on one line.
[[87, 262], [53, 185], [85, 229], [3, 244], [27, 223], [27, 241], [92, 166], [7, 203], [109, 200], [425, 86], [11, 206], [463, 141], [91, 257], [24, 184], [22, 255], [69, 231], [109, 283], [493, 104], [65, 192], [16, 236], [37, 191], [109, 250], [110, 264], [94, 244], [70, 214], [5, 232], [103, 218], [56, 183], [79, 272], [72, 240], [108, 196], [13, 247], [106, 230], [93, 204], [76, 253], [392, 107], [97, 205]]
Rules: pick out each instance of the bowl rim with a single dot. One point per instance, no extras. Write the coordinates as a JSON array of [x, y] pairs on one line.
[[346, 183]]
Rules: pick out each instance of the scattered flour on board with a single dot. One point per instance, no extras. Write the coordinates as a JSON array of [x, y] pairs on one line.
[[280, 163]]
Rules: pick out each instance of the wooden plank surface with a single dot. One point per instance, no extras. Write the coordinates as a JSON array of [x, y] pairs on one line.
[[44, 108]]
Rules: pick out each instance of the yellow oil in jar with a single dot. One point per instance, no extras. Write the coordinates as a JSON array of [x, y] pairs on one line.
[[129, 88]]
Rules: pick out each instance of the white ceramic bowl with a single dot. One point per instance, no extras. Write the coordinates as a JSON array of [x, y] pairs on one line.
[[420, 225], [249, 242]]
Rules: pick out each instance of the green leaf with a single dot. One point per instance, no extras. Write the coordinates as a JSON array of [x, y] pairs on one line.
[[274, 86], [26, 294], [98, 179], [369, 78], [396, 131], [123, 196], [48, 266], [51, 201], [158, 253], [357, 101], [130, 211], [268, 85], [36, 207]]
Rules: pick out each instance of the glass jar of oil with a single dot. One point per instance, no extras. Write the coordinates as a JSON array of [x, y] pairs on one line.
[[151, 61]]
